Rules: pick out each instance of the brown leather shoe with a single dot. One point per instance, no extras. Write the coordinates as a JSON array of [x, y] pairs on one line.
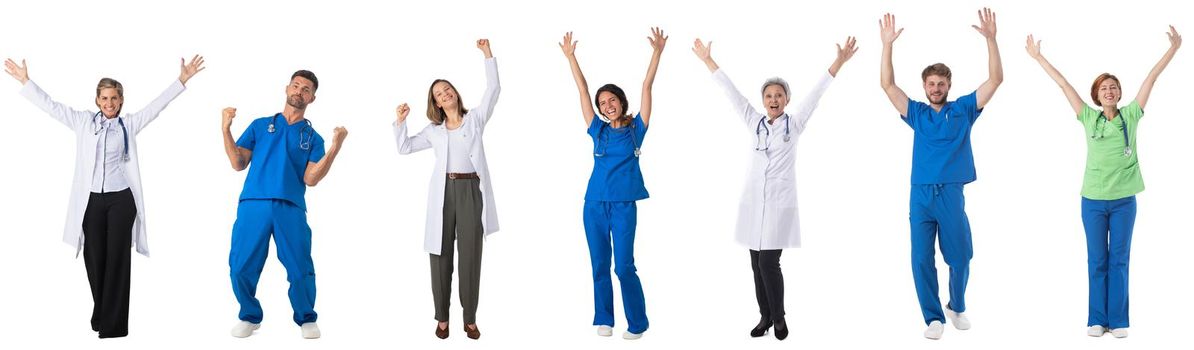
[[475, 333], [441, 333]]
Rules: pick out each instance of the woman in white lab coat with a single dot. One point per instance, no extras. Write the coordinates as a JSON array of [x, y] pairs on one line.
[[464, 212], [768, 220], [106, 214]]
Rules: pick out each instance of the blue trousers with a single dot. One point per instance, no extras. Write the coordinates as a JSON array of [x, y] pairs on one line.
[[1108, 225], [616, 220], [938, 212], [256, 221]]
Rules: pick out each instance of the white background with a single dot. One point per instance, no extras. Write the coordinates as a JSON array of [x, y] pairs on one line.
[[849, 286]]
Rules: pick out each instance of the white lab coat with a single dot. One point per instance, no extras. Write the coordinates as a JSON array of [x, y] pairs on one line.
[[768, 216], [83, 124], [436, 136]]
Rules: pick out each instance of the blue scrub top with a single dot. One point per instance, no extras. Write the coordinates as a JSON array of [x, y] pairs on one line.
[[279, 161], [616, 175], [941, 144]]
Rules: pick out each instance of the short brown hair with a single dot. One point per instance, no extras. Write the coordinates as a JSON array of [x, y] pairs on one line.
[[1094, 88], [936, 69], [109, 83], [436, 114]]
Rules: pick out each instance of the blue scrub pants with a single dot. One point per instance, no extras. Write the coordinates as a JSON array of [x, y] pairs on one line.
[[1108, 225], [616, 220], [938, 211], [256, 221]]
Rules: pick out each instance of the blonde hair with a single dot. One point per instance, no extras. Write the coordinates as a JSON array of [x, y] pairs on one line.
[[109, 83]]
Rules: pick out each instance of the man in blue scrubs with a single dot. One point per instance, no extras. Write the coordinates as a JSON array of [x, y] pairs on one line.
[[284, 154], [942, 163]]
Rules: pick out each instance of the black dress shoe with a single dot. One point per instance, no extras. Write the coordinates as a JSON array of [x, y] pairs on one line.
[[761, 329], [441, 333], [781, 329]]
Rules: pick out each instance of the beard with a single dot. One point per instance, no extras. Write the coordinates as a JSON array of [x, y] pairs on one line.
[[296, 101], [944, 97]]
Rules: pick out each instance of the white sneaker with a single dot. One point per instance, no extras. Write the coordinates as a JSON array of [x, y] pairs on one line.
[[1095, 331], [1120, 332], [935, 330], [957, 318], [605, 331], [631, 336], [244, 329], [310, 330]]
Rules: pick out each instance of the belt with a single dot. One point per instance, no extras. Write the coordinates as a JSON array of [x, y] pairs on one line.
[[458, 176]]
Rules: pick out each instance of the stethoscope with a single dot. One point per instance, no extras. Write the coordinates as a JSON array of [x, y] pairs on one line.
[[99, 126], [764, 140], [599, 148], [304, 136], [1124, 125]]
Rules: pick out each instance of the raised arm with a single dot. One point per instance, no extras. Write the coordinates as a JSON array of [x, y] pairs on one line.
[[658, 40], [1071, 95], [137, 121], [896, 95], [317, 170], [586, 106], [1146, 88], [986, 27], [18, 72], [804, 109], [72, 118], [705, 53], [843, 54], [492, 85], [237, 156], [742, 107], [406, 144]]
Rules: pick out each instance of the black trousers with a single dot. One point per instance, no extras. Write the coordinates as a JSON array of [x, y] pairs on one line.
[[769, 283], [107, 242]]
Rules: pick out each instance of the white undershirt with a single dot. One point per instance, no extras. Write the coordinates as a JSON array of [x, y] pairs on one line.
[[108, 175], [459, 159]]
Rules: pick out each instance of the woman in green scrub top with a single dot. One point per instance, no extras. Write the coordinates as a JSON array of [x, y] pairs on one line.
[[1110, 185]]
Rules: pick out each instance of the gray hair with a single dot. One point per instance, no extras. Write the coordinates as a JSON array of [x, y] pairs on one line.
[[775, 81]]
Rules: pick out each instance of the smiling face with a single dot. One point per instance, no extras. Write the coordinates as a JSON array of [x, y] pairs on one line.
[[609, 105], [774, 100], [937, 89], [1105, 90], [445, 95], [109, 102], [300, 92]]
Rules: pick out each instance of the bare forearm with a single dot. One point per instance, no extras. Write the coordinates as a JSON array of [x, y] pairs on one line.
[[994, 63], [1146, 88], [582, 89], [886, 71], [321, 168], [652, 69], [234, 156], [713, 67]]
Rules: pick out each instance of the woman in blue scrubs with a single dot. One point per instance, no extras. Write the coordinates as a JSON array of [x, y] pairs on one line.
[[610, 213]]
